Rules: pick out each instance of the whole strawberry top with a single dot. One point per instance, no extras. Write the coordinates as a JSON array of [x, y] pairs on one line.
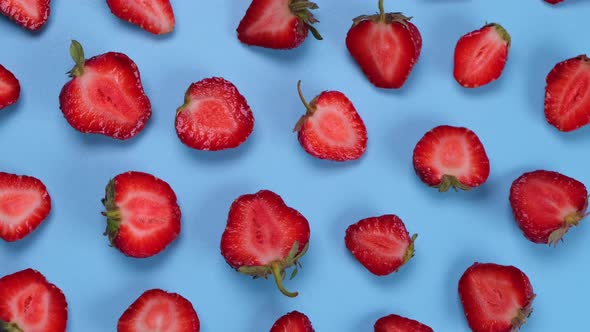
[[154, 16], [293, 322], [29, 303], [9, 88], [143, 217], [278, 24], [105, 95], [546, 204], [24, 205], [331, 127], [395, 323], [480, 56], [567, 94], [495, 298], [386, 46], [158, 310], [29, 14], [264, 236], [451, 157]]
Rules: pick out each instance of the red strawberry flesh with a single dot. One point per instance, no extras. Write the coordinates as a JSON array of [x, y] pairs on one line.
[[395, 323], [30, 14], [155, 16], [293, 322], [9, 88]]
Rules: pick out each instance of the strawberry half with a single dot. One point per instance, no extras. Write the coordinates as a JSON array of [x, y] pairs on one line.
[[553, 2], [157, 310], [451, 157], [546, 204], [155, 16], [29, 303], [293, 322], [278, 24], [331, 128], [214, 116], [143, 217], [382, 244], [264, 236], [9, 88], [24, 205], [480, 56], [395, 323], [30, 14], [495, 298], [567, 94], [386, 46], [105, 95]]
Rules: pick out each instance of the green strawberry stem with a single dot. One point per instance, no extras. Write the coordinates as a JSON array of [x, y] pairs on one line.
[[450, 181], [277, 273], [310, 109], [381, 11], [77, 54], [9, 327], [410, 251], [571, 220], [112, 212]]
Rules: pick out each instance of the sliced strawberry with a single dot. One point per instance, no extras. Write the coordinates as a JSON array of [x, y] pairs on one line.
[[386, 46], [546, 204], [143, 217], [29, 303], [264, 236], [24, 205], [553, 2], [157, 310], [331, 129], [215, 116], [382, 244], [155, 16], [451, 157], [395, 323], [293, 322], [30, 14], [480, 56], [105, 95], [567, 95], [278, 24], [495, 297], [9, 88]]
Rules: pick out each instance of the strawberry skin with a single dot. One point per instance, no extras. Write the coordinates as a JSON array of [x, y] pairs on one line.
[[264, 236], [9, 88], [495, 298], [215, 116], [553, 2], [293, 322], [331, 128], [546, 204], [24, 205], [480, 56], [567, 94], [277, 24], [386, 46], [29, 14], [29, 303], [143, 217], [395, 323], [105, 95], [155, 16], [451, 157], [381, 244], [158, 310]]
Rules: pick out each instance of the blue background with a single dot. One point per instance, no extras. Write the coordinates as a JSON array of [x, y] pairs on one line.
[[336, 292]]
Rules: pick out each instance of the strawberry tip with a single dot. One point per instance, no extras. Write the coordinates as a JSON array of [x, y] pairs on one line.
[[77, 54], [449, 181]]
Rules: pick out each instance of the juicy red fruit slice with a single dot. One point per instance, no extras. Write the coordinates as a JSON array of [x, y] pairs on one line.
[[155, 16], [29, 303], [480, 56], [158, 310], [451, 157], [214, 116], [9, 88], [30, 14], [331, 128], [293, 322], [24, 205], [495, 297], [567, 94], [143, 217], [264, 236], [547, 204], [105, 95], [395, 323], [382, 244]]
